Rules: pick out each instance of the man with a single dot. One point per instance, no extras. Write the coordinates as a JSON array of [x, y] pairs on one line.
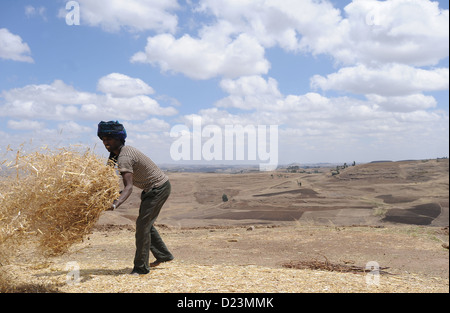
[[139, 170]]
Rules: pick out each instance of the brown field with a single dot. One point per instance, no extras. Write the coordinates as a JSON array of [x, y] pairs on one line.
[[273, 235]]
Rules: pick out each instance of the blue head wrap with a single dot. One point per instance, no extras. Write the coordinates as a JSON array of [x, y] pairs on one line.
[[111, 129]]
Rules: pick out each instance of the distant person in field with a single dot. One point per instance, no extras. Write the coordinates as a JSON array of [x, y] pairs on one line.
[[139, 170]]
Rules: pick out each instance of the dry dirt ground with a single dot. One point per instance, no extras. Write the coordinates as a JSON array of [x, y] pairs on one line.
[[273, 235]]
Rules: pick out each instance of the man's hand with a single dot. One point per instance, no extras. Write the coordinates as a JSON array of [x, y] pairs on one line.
[[125, 193], [112, 207]]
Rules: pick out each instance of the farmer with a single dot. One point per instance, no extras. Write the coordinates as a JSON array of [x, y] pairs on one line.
[[139, 170]]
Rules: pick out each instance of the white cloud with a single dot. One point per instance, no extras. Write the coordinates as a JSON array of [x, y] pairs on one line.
[[249, 85], [312, 107], [291, 24], [31, 11], [120, 85], [148, 126], [13, 48], [25, 125], [413, 32], [215, 116], [132, 15], [256, 93], [411, 103], [59, 101], [56, 101], [387, 80], [214, 54], [370, 33], [249, 92], [317, 128], [74, 127], [235, 44], [343, 129], [33, 109]]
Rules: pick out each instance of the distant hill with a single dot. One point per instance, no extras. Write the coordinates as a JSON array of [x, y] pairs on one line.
[[204, 168]]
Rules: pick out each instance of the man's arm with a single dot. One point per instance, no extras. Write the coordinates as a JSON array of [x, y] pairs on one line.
[[126, 192]]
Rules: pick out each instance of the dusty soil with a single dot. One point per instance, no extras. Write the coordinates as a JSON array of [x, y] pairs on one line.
[[394, 214]]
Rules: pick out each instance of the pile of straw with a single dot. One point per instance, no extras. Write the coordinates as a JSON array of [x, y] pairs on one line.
[[54, 197]]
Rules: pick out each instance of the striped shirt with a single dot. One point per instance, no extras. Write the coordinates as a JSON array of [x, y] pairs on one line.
[[146, 174]]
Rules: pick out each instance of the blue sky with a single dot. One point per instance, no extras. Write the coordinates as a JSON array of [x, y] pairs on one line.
[[344, 81]]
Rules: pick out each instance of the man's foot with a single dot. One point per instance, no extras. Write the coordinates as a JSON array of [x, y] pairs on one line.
[[158, 262], [137, 273]]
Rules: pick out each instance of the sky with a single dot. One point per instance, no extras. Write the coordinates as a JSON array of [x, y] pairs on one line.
[[342, 81]]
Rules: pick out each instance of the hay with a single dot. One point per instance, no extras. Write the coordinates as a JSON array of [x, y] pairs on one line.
[[188, 277], [54, 197]]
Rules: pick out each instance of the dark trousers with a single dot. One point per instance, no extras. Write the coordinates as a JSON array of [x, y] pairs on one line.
[[147, 237]]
